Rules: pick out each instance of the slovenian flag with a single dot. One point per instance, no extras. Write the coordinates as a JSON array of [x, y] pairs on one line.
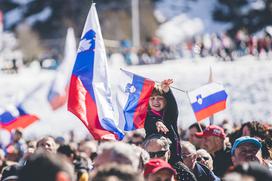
[[207, 100], [57, 95], [133, 97], [89, 94], [22, 119]]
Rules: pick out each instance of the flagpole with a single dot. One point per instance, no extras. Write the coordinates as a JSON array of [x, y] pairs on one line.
[[135, 22], [211, 118]]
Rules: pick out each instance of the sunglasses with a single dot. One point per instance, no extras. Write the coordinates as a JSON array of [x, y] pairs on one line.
[[202, 158], [157, 154]]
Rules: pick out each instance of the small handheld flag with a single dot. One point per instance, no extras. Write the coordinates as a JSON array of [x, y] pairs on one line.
[[133, 99], [89, 94], [207, 100]]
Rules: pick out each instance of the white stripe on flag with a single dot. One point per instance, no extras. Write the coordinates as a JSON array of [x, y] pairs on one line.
[[205, 91]]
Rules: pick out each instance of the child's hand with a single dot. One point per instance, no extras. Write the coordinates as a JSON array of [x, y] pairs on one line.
[[165, 85], [161, 127]]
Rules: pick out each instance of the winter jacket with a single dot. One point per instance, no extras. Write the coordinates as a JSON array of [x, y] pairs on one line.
[[169, 119]]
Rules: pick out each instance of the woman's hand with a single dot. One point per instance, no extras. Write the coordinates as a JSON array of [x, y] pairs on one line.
[[161, 127], [165, 85]]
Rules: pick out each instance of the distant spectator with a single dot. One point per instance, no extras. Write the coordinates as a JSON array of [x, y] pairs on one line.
[[67, 151], [157, 169], [201, 172], [16, 149], [83, 166], [254, 129], [251, 171], [246, 149], [116, 152], [137, 137], [90, 148], [157, 146], [48, 144], [215, 143], [114, 172], [143, 156], [194, 128], [204, 158], [46, 166]]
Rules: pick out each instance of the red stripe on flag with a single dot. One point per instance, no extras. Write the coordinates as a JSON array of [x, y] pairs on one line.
[[21, 122], [207, 112], [83, 106], [141, 110]]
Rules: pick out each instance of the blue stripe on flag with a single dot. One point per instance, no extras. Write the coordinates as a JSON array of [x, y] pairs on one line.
[[210, 100], [132, 102], [82, 69], [6, 117]]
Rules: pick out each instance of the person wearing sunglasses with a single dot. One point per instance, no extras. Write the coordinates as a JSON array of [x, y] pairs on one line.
[[201, 172], [157, 146], [204, 158]]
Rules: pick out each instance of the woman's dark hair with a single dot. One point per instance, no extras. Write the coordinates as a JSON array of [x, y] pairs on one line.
[[256, 129]]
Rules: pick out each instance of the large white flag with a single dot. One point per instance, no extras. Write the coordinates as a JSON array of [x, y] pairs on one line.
[[90, 96]]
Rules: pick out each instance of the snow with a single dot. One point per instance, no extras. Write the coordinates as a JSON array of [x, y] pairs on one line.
[[248, 83]]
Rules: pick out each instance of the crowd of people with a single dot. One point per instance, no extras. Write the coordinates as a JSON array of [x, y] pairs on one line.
[[159, 152], [222, 46]]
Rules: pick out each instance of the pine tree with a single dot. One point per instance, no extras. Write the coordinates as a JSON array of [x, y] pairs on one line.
[[251, 15]]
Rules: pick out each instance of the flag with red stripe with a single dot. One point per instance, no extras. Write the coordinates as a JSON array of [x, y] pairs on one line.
[[22, 119], [133, 99], [89, 93], [207, 100]]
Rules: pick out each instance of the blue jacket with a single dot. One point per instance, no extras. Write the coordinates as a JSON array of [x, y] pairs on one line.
[[202, 173]]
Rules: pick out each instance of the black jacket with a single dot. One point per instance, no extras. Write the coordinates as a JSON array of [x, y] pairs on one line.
[[169, 119], [222, 161]]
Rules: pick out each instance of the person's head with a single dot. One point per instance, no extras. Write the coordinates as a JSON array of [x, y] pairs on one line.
[[44, 166], [159, 170], [204, 158], [137, 137], [90, 148], [188, 151], [157, 146], [114, 172], [214, 137], [116, 152], [48, 144], [246, 149], [195, 128], [250, 171], [157, 100], [143, 156], [18, 134], [254, 129], [82, 165], [67, 151]]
